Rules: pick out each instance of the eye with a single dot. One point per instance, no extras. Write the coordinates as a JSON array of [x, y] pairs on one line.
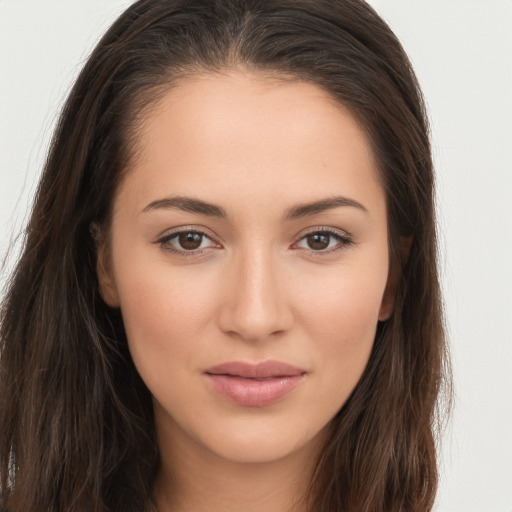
[[187, 242], [324, 241]]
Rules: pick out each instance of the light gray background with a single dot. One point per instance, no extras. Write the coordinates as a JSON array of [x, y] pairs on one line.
[[462, 53]]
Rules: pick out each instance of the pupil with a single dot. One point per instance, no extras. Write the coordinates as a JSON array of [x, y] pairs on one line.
[[318, 241], [190, 241]]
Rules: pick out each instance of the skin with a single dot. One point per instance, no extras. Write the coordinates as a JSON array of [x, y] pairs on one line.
[[256, 147]]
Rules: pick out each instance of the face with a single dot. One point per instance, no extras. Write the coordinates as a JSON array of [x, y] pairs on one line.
[[249, 257]]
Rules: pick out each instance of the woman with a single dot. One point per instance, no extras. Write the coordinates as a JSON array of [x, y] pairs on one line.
[[228, 295]]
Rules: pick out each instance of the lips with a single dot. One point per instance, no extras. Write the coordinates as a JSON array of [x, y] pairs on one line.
[[254, 385]]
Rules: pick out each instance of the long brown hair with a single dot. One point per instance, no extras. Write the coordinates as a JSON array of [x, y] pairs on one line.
[[76, 421]]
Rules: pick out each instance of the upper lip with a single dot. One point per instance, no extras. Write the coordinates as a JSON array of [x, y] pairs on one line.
[[255, 370]]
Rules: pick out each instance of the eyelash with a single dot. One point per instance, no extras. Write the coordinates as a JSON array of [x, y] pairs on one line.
[[344, 241]]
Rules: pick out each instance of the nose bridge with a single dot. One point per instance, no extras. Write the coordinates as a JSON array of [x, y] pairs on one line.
[[257, 305]]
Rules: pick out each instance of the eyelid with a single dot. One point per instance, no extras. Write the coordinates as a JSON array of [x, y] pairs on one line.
[[164, 240], [345, 239], [324, 229], [196, 228]]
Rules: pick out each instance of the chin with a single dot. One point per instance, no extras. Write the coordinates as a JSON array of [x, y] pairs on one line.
[[260, 442]]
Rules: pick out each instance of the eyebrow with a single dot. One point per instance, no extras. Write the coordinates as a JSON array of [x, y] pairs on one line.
[[189, 204], [307, 209]]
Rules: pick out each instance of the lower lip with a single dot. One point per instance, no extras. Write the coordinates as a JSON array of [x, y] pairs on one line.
[[253, 392]]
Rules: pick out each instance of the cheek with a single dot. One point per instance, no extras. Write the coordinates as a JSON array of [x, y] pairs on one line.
[[345, 303], [341, 318], [164, 311]]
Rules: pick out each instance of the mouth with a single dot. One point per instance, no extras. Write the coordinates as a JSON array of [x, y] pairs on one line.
[[254, 385]]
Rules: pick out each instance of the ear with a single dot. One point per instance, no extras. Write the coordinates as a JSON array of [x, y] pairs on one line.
[[106, 282], [388, 299]]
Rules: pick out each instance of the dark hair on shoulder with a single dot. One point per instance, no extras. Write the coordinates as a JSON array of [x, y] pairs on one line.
[[76, 421]]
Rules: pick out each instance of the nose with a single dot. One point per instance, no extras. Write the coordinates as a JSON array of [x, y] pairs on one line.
[[255, 304]]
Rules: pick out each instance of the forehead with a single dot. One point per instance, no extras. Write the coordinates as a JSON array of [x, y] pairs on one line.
[[252, 134]]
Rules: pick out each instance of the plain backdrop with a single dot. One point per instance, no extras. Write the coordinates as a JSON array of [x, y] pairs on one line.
[[462, 54]]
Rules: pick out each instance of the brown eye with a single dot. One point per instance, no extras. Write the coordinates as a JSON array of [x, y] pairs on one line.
[[318, 241], [190, 240], [324, 241], [186, 243]]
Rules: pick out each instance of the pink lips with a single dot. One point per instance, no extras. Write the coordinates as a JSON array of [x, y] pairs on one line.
[[254, 385]]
